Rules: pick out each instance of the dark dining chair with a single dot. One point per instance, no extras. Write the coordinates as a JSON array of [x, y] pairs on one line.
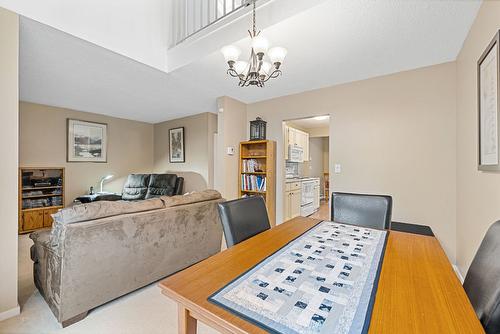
[[374, 211], [482, 282], [243, 218]]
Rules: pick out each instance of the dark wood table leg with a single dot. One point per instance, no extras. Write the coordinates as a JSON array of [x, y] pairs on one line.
[[187, 324]]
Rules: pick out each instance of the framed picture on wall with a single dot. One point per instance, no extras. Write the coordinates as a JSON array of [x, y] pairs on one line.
[[87, 141], [488, 108], [176, 138]]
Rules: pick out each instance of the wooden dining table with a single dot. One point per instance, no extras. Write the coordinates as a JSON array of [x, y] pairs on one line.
[[418, 291]]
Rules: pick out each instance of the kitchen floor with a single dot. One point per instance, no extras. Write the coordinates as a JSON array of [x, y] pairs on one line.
[[323, 212]]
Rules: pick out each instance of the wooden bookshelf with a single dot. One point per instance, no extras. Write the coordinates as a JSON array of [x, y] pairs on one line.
[[258, 162], [41, 193]]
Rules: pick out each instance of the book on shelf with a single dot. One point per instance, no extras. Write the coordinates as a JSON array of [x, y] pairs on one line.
[[253, 183], [250, 166]]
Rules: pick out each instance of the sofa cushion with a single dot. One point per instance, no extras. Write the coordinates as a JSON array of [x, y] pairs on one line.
[[102, 209], [193, 197], [136, 187], [161, 185]]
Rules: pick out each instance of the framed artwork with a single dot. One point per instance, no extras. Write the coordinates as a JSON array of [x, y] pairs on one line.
[[87, 141], [488, 108], [176, 152]]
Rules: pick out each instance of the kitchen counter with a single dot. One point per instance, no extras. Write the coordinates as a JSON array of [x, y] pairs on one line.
[[300, 179]]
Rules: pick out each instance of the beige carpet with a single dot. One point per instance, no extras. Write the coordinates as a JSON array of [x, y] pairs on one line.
[[143, 311]]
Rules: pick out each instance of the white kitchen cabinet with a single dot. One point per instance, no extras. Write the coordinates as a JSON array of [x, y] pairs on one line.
[[295, 203], [292, 201], [286, 141], [296, 137], [303, 141]]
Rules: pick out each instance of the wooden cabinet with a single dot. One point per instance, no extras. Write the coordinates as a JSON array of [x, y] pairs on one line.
[[41, 194], [292, 200], [47, 217], [31, 220], [36, 218], [296, 137]]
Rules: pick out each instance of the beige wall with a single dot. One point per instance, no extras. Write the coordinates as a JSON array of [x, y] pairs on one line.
[[43, 143], [232, 125], [392, 135], [9, 97], [478, 193], [199, 145]]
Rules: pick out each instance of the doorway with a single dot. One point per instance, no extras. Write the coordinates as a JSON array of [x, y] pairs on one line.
[[306, 174]]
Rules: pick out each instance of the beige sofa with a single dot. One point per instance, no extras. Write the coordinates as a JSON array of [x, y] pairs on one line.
[[99, 251]]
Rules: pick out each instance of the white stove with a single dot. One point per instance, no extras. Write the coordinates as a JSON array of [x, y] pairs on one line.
[[309, 190]]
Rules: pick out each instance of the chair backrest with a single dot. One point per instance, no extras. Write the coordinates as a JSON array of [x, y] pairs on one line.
[[135, 187], [145, 186], [482, 283], [161, 185], [374, 211], [243, 218]]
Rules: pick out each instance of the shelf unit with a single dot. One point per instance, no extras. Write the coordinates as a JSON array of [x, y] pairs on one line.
[[41, 193], [263, 153]]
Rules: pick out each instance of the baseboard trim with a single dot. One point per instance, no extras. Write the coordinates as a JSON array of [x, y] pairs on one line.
[[459, 274], [10, 313]]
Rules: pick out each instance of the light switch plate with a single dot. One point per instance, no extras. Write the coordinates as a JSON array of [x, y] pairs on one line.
[[338, 169], [230, 150]]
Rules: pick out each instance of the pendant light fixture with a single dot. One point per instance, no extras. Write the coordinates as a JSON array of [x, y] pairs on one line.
[[257, 70]]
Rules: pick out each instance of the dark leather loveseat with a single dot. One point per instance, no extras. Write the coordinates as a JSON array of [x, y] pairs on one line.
[[141, 186], [144, 186]]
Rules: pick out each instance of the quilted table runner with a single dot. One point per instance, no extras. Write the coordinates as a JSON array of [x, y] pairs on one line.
[[322, 282]]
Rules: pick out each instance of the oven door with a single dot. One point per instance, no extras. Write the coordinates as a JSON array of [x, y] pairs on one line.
[[307, 192], [307, 210]]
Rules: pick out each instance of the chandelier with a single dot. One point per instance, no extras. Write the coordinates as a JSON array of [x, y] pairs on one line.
[[257, 70]]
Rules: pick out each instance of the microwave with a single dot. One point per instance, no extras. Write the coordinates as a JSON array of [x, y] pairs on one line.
[[295, 154]]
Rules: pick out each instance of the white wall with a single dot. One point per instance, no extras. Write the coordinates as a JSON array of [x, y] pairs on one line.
[[136, 29], [9, 99], [478, 193]]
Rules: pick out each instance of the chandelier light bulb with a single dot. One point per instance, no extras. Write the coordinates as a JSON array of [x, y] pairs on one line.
[[231, 53], [260, 44], [277, 54], [241, 67]]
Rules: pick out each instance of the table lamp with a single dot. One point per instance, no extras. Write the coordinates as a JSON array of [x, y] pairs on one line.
[[105, 178]]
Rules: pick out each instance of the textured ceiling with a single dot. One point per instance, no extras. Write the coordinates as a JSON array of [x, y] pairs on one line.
[[335, 42]]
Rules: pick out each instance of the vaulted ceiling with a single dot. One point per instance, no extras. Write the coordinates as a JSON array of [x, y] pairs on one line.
[[334, 42]]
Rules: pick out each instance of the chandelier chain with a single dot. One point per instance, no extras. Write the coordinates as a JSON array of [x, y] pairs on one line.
[[254, 24]]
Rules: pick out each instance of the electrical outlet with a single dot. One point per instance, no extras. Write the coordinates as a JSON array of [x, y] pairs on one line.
[[338, 169]]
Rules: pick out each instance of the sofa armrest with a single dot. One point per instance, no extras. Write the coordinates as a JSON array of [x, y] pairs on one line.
[[46, 268], [40, 238]]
